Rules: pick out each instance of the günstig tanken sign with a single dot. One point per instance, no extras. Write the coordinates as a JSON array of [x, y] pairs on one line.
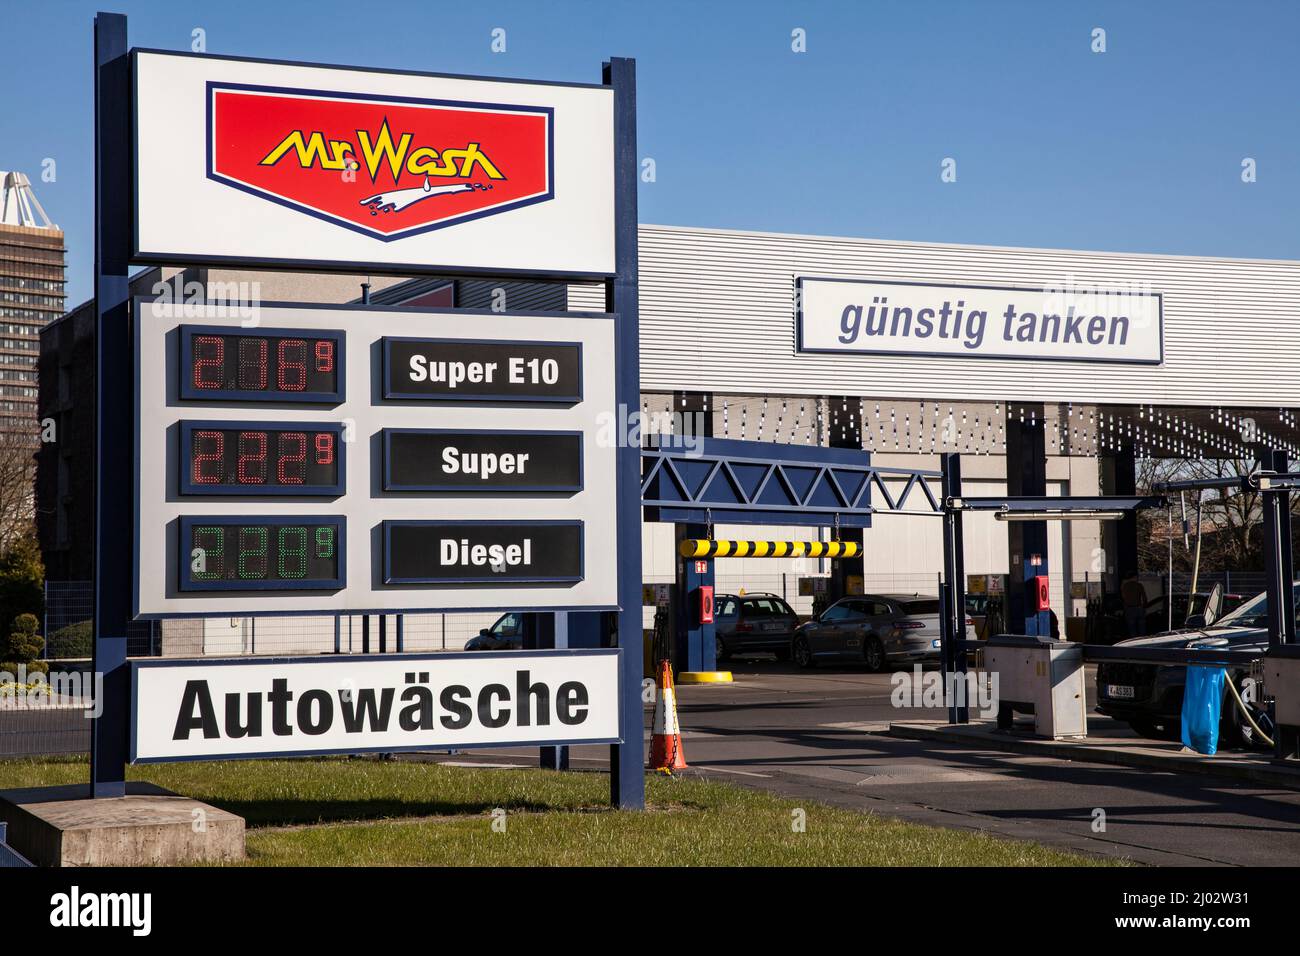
[[1071, 323]]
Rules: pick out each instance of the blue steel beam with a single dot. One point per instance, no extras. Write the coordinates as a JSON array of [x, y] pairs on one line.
[[738, 481]]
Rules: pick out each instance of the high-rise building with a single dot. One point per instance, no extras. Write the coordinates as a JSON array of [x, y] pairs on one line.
[[32, 266]]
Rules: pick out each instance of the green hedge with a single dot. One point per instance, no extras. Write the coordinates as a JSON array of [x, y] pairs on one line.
[[75, 640]]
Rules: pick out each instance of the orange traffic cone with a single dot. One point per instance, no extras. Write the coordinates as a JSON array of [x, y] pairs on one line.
[[666, 736]]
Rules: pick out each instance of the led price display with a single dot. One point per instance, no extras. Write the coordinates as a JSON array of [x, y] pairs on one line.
[[261, 553], [275, 365], [222, 458]]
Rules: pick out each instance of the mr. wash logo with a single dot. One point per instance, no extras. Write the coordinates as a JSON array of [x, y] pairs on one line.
[[75, 909], [387, 167]]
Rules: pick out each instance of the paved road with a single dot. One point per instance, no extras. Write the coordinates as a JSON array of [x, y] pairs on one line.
[[806, 735]]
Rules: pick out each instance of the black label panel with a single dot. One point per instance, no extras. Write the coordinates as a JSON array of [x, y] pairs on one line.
[[463, 370], [509, 552], [429, 459]]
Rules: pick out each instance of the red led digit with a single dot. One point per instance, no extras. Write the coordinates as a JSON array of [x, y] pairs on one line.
[[209, 448], [209, 361], [291, 365], [291, 458], [252, 458], [252, 363], [324, 355], [324, 448]]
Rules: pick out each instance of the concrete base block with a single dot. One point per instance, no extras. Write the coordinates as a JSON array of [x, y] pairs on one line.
[[150, 826]]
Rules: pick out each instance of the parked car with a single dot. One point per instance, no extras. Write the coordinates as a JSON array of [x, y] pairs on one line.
[[756, 621], [876, 629], [505, 634], [1149, 697]]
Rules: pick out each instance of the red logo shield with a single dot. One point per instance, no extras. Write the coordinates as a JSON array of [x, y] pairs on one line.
[[389, 167]]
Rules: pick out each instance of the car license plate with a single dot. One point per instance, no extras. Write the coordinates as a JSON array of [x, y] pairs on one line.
[[773, 626], [1122, 691]]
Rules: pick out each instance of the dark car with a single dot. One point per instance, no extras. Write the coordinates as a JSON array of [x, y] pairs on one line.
[[1149, 697], [876, 629], [753, 622], [506, 634]]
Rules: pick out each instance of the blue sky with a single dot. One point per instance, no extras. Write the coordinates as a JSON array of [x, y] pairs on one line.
[[1138, 148]]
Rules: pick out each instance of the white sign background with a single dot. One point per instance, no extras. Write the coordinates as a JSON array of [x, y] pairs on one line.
[[183, 215], [159, 503], [158, 691], [823, 303]]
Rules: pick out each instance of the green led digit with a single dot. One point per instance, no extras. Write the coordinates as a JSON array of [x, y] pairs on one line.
[[297, 551], [325, 542], [252, 557], [208, 556]]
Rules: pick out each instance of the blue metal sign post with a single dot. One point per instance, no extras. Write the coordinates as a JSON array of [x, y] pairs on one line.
[[114, 530], [627, 760]]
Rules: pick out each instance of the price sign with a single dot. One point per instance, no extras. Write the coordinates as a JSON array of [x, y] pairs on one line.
[[240, 458], [502, 500], [248, 554], [266, 365]]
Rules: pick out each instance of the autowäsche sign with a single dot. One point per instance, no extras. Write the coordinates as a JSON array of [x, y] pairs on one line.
[[191, 710], [1113, 324]]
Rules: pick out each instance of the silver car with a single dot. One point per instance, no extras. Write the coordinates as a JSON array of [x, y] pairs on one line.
[[876, 629]]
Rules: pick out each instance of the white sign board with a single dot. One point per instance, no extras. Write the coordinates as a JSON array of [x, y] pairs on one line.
[[246, 161], [1113, 324], [199, 709], [319, 459]]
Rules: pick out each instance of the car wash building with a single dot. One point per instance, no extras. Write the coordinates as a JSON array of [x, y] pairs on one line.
[[1050, 371]]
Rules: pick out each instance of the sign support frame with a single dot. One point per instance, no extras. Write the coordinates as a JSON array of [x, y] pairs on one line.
[[114, 451], [113, 405], [627, 760]]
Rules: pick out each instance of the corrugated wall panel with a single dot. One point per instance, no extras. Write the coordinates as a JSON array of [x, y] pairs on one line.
[[518, 296], [717, 313]]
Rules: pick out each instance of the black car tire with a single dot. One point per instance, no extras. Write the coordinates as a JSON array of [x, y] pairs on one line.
[[720, 652], [873, 654], [1232, 725], [802, 653]]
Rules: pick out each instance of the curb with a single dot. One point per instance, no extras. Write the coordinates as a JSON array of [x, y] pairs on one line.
[[704, 677], [1176, 763]]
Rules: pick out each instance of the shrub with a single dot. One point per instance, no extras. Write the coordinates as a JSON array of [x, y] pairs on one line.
[[22, 582], [25, 642], [33, 667], [75, 640]]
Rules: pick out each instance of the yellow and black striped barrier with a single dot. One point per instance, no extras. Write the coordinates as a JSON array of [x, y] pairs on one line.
[[709, 548]]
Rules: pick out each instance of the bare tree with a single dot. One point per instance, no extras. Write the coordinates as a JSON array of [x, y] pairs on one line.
[[1231, 518], [17, 486]]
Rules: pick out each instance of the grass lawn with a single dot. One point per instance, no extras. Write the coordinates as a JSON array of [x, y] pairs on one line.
[[341, 812]]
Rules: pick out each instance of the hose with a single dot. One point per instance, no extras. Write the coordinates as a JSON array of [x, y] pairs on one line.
[[1245, 711]]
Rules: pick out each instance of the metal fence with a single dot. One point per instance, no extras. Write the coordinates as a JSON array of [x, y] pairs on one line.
[[69, 610]]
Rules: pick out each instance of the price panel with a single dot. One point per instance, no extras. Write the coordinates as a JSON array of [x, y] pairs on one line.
[[256, 458], [251, 554], [265, 365], [475, 470]]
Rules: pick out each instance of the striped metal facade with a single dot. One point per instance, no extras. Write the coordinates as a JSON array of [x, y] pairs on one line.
[[511, 296], [718, 314]]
